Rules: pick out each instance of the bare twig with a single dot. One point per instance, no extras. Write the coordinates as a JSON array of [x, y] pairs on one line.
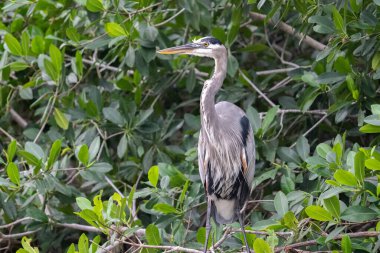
[[282, 83], [338, 237], [170, 19], [274, 71], [257, 89], [104, 66], [281, 111], [79, 227], [15, 222], [113, 186], [172, 248], [18, 235], [17, 118], [291, 30], [7, 134]]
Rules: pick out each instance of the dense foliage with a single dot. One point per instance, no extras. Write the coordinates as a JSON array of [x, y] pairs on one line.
[[98, 133]]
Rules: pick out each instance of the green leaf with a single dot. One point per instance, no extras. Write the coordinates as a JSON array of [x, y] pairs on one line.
[[11, 151], [94, 5], [12, 44], [25, 42], [77, 64], [54, 153], [115, 30], [254, 119], [345, 177], [165, 208], [346, 244], [281, 204], [261, 246], [153, 235], [318, 213], [94, 148], [73, 34], [153, 175], [338, 21], [38, 45], [122, 146], [83, 154], [372, 164], [358, 214], [232, 65], [333, 206], [113, 115], [71, 249], [359, 166], [83, 244], [130, 57], [323, 149], [13, 173], [30, 158], [51, 70], [370, 129], [290, 220], [18, 66], [288, 155], [376, 61], [56, 57], [373, 120], [303, 147], [268, 119], [83, 203], [61, 119], [375, 109], [25, 242]]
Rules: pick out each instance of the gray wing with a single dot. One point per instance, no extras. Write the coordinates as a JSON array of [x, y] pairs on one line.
[[234, 118]]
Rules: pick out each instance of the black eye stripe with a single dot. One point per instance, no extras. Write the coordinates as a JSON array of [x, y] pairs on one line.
[[211, 40]]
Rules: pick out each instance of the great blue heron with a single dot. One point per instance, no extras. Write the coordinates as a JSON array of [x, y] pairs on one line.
[[226, 148]]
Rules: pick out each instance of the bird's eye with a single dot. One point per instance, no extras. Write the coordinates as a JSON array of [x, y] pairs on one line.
[[205, 44]]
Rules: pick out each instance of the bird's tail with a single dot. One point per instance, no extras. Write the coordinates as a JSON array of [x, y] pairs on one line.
[[224, 211]]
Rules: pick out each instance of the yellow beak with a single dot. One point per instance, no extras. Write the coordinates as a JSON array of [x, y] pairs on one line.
[[184, 49]]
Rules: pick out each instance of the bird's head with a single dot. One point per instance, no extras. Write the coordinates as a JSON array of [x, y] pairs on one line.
[[204, 47]]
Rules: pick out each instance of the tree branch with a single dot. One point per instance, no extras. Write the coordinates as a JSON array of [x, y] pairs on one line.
[[291, 30], [257, 89], [338, 237], [15, 222], [19, 235], [79, 227], [17, 118]]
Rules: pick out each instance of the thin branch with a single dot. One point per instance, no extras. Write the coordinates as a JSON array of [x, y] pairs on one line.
[[79, 227], [291, 30], [15, 222], [170, 19], [17, 118], [274, 71], [255, 232], [104, 66], [317, 112], [172, 248], [19, 235], [7, 134], [338, 237], [282, 83], [312, 128], [257, 89], [113, 186]]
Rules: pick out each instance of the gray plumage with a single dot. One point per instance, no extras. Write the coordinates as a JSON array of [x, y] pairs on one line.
[[226, 149]]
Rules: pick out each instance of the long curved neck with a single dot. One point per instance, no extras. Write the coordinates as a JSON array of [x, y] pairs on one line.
[[209, 118]]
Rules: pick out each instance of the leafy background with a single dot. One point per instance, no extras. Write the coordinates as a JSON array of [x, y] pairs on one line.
[[98, 133]]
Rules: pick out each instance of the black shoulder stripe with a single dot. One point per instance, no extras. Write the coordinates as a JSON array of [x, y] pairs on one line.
[[244, 122]]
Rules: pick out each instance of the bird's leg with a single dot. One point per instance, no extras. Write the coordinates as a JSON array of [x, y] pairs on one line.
[[241, 221], [208, 226]]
